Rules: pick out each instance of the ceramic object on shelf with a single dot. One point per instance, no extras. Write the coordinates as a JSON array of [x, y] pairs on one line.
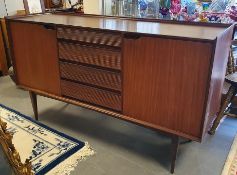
[[165, 7], [191, 8], [205, 6], [189, 13], [142, 8], [175, 9]]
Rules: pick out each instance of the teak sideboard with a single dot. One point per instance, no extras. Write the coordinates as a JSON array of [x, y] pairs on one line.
[[167, 77]]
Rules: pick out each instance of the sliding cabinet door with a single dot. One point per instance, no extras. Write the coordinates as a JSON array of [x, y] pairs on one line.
[[166, 82], [35, 56]]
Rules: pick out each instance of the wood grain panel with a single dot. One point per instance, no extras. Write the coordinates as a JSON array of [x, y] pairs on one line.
[[90, 36], [98, 77], [219, 67], [3, 58], [108, 112], [49, 4], [103, 57], [112, 24], [166, 81], [36, 57], [91, 95]]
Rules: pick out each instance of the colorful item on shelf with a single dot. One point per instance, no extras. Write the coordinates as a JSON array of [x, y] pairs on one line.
[[203, 18], [219, 5], [189, 12], [185, 2], [191, 8], [164, 11], [213, 17], [143, 8], [233, 13], [217, 11], [175, 7], [192, 17], [205, 6], [164, 7]]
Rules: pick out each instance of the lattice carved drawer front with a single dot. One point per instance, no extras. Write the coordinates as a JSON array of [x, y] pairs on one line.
[[93, 76], [103, 57], [91, 95], [113, 39]]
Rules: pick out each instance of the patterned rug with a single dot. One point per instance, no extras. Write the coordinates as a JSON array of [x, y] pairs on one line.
[[50, 151], [230, 167]]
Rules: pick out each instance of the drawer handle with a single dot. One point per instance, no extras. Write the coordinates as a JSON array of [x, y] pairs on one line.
[[131, 36], [49, 27]]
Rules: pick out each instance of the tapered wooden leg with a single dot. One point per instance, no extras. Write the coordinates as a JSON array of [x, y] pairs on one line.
[[174, 151], [33, 98], [230, 94]]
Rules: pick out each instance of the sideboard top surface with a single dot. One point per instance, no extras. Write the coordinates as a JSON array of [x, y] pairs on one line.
[[126, 25]]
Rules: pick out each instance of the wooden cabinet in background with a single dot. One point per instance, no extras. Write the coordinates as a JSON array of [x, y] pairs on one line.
[[53, 3], [3, 56]]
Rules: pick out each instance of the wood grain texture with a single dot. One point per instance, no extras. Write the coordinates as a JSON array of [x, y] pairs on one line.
[[108, 112], [126, 25], [165, 82], [91, 95], [92, 36], [50, 4], [3, 58], [159, 20], [6, 40], [218, 71], [92, 76], [36, 57], [98, 56]]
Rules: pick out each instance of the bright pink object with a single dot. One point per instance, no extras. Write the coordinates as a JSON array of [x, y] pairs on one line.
[[175, 6]]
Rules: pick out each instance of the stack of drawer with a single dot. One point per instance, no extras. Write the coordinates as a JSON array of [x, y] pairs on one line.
[[90, 66]]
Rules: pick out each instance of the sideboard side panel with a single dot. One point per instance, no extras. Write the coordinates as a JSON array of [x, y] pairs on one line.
[[165, 82], [220, 59], [3, 57], [36, 56]]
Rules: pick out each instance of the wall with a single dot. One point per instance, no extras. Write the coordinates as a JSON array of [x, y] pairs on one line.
[[2, 9], [12, 7], [93, 6]]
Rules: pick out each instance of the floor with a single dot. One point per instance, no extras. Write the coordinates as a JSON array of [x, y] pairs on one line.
[[123, 148]]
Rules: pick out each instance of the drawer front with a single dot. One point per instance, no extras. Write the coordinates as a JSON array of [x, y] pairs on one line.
[[109, 58], [91, 95], [98, 77], [113, 39]]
